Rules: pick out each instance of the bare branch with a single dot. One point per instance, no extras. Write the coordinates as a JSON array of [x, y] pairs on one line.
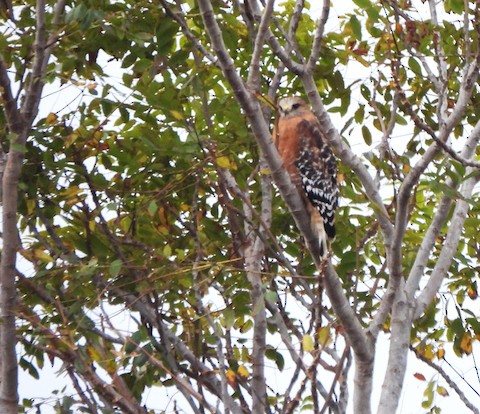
[[442, 67], [450, 246], [428, 242], [454, 155], [253, 81], [284, 332], [470, 75], [441, 214], [13, 115], [283, 55], [187, 32], [317, 40], [447, 378], [293, 25], [359, 341], [43, 47], [291, 43], [254, 252]]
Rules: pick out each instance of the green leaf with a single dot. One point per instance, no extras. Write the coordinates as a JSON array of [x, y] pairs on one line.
[[273, 355], [356, 27], [414, 66], [115, 267], [167, 251], [229, 316], [364, 4], [457, 6], [475, 324], [367, 135], [428, 394], [152, 207], [270, 296]]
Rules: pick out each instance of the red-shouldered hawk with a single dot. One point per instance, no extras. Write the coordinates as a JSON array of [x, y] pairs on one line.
[[311, 165]]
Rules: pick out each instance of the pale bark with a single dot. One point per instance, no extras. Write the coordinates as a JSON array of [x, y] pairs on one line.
[[402, 312]]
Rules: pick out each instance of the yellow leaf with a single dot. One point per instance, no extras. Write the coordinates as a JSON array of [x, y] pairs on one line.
[[223, 162], [27, 254], [51, 118], [94, 354], [440, 353], [265, 99], [91, 225], [307, 343], [167, 250], [30, 206], [98, 134], [34, 255], [242, 371], [466, 344], [361, 60], [231, 377], [442, 391], [162, 215], [472, 292], [42, 256], [70, 139], [406, 168], [428, 352], [324, 336], [110, 366], [71, 192], [177, 115]]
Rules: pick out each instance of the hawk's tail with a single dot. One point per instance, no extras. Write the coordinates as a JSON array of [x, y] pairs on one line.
[[318, 228]]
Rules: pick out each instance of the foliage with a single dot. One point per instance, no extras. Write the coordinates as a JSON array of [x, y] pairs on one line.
[[141, 198]]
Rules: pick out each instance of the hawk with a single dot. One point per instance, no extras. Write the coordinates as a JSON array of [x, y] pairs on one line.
[[311, 165]]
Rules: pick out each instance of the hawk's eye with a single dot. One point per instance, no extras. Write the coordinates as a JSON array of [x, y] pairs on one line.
[[295, 106]]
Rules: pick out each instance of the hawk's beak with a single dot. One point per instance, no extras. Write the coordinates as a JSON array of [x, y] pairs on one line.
[[284, 109]]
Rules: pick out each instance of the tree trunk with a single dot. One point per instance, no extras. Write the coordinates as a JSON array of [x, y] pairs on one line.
[[8, 358], [397, 358]]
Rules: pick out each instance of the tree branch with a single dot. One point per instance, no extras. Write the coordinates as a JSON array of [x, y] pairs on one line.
[[284, 53], [361, 343], [447, 378], [43, 50], [318, 38], [450, 246], [428, 242], [253, 81], [470, 76], [187, 32], [442, 67]]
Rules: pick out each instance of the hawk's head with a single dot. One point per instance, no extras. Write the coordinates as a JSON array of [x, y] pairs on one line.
[[291, 106]]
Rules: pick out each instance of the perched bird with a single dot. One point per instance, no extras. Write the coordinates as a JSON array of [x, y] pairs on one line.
[[311, 165]]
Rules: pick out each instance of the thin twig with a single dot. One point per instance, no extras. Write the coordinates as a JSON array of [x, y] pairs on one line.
[[447, 378]]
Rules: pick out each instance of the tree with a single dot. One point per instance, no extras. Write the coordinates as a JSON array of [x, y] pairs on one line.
[[151, 198]]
